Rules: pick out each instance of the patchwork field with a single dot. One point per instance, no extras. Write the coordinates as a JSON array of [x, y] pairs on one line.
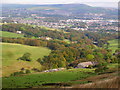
[[11, 52], [113, 44], [10, 34]]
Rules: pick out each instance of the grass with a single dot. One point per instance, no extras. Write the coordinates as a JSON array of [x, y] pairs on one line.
[[113, 65], [113, 44], [67, 41], [109, 83], [36, 80], [10, 34], [11, 52]]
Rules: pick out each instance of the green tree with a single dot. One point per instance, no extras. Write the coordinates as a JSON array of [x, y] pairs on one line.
[[25, 57], [27, 71], [40, 61], [101, 68], [90, 56]]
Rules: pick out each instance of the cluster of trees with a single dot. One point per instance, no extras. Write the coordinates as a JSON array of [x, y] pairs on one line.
[[72, 35], [22, 71], [100, 38], [101, 68], [30, 31], [25, 41], [63, 55], [25, 57]]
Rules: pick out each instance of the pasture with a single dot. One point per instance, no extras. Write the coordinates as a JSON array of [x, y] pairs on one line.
[[10, 34], [113, 44], [40, 79], [11, 52]]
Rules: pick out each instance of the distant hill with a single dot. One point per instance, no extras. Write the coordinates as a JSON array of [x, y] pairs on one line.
[[73, 8]]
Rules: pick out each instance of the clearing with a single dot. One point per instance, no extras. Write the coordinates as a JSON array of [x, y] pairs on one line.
[[10, 34]]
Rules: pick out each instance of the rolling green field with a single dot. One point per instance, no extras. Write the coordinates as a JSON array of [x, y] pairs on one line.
[[113, 44], [10, 34], [11, 52], [68, 78], [36, 80]]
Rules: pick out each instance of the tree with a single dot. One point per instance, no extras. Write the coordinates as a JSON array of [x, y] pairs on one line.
[[25, 57], [40, 61], [90, 56], [27, 71], [101, 68]]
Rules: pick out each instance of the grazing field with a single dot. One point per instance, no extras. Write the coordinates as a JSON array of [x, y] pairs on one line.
[[11, 52], [113, 44], [113, 65], [45, 79], [10, 34]]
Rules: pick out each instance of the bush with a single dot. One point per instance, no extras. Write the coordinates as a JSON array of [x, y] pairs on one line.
[[25, 57], [40, 61], [20, 72], [69, 67], [90, 66], [36, 70], [28, 71], [101, 68], [16, 73]]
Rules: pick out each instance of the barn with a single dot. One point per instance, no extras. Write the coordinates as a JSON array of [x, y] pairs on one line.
[[86, 64]]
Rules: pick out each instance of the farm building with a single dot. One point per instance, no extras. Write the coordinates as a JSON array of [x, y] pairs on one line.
[[86, 64], [54, 70], [19, 32], [46, 38]]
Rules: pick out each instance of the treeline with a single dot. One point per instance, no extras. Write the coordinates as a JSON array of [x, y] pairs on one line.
[[25, 41], [30, 31], [72, 35]]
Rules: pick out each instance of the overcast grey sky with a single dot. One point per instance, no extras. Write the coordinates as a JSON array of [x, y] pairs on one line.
[[107, 3]]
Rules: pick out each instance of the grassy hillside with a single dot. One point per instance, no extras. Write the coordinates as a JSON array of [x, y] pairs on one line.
[[10, 35], [36, 80], [11, 52], [111, 82], [68, 78], [113, 44]]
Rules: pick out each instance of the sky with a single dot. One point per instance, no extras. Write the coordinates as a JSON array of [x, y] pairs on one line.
[[103, 3]]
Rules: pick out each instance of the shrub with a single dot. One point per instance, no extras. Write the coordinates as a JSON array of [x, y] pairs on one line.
[[25, 57], [101, 68], [21, 72], [40, 61], [36, 70], [27, 71]]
